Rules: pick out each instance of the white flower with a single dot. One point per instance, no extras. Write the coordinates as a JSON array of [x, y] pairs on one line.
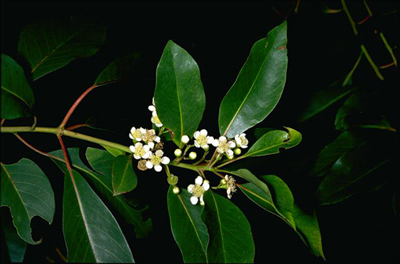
[[201, 139], [241, 140], [198, 189], [136, 134], [139, 151], [149, 136], [231, 186], [224, 146], [185, 139], [154, 119], [156, 160]]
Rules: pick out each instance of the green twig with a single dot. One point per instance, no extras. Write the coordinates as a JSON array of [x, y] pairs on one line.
[[352, 23], [373, 65], [352, 70], [388, 48]]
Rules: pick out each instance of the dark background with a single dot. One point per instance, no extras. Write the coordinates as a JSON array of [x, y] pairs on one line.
[[321, 49]]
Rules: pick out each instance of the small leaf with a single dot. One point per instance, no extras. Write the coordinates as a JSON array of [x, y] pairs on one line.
[[118, 69], [113, 151], [259, 85], [188, 229], [90, 230], [352, 172], [179, 94], [231, 240], [26, 190], [273, 141], [123, 176], [103, 162], [16, 247], [307, 224], [323, 99], [16, 95], [51, 44]]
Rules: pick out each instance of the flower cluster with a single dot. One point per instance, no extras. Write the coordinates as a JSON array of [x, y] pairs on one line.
[[145, 141]]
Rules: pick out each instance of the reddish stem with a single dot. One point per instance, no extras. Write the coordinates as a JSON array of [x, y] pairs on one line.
[[75, 105], [2, 121], [66, 158], [76, 126], [35, 149]]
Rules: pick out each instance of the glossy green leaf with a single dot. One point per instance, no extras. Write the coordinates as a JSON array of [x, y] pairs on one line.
[[123, 176], [323, 99], [16, 95], [351, 173], [16, 247], [121, 68], [273, 141], [113, 151], [261, 131], [333, 151], [250, 177], [188, 229], [259, 85], [90, 230], [26, 190], [179, 94], [51, 44], [308, 227], [102, 182], [231, 239]]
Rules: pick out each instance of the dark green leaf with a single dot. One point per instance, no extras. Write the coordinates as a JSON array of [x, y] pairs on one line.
[[231, 240], [90, 230], [179, 94], [123, 177], [16, 94], [322, 99], [118, 69], [333, 151], [188, 229], [51, 44], [307, 225], [113, 151], [352, 173], [259, 85], [16, 247], [273, 141], [259, 132], [102, 182], [26, 190]]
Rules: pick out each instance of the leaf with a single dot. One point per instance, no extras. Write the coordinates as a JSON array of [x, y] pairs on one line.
[[307, 224], [259, 132], [273, 141], [179, 94], [16, 247], [188, 229], [90, 230], [247, 175], [102, 182], [26, 190], [51, 44], [352, 172], [322, 99], [231, 240], [118, 69], [259, 85], [16, 95], [123, 176], [333, 151], [113, 151]]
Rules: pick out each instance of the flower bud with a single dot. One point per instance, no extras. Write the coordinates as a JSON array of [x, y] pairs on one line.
[[230, 157], [238, 151], [185, 139], [178, 152], [176, 190], [192, 155]]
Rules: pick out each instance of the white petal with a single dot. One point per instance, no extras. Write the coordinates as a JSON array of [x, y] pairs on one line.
[[203, 132], [194, 200], [138, 145], [154, 114], [138, 139], [130, 136], [243, 146], [157, 139], [220, 150], [204, 146], [231, 144], [196, 134], [151, 108], [210, 140], [199, 180], [149, 146], [226, 178], [222, 138], [132, 148], [159, 153], [136, 156], [146, 155], [206, 185], [190, 188], [149, 165], [158, 168], [133, 129], [159, 125], [215, 143], [165, 160], [201, 200], [237, 137], [142, 130], [229, 152], [152, 100], [196, 144], [228, 191]]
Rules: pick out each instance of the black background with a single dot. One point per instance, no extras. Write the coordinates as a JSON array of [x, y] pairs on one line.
[[219, 35]]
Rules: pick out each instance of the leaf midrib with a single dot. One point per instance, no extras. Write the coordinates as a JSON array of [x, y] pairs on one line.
[[273, 146], [220, 227], [16, 95], [124, 173], [178, 95]]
